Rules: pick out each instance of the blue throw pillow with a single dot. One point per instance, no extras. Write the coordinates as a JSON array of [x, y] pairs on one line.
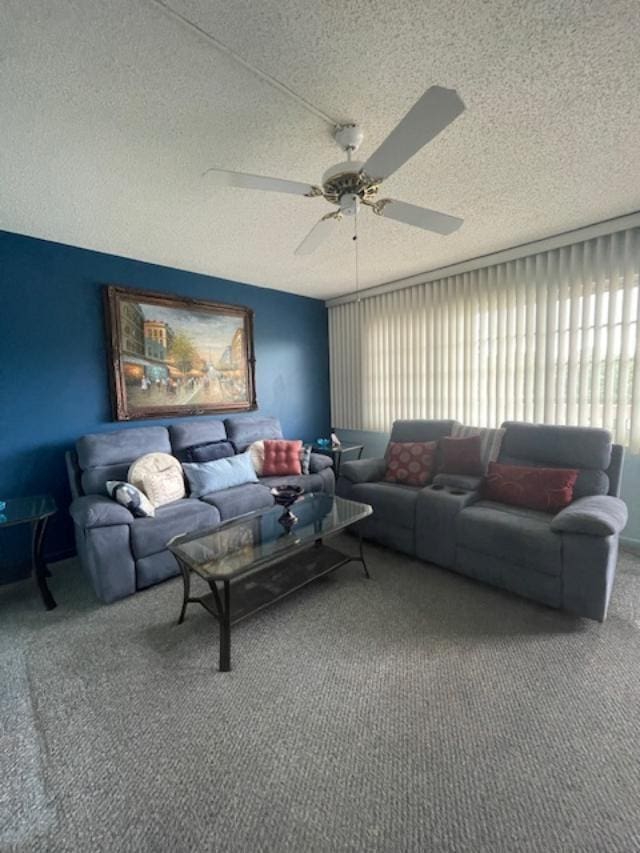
[[209, 452], [207, 477]]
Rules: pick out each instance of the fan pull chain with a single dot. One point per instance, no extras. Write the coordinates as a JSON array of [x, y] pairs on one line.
[[355, 239]]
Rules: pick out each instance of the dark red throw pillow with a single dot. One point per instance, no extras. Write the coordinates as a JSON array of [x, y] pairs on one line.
[[410, 462], [546, 489], [461, 456], [281, 458]]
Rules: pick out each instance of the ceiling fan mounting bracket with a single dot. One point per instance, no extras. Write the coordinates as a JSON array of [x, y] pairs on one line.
[[349, 137]]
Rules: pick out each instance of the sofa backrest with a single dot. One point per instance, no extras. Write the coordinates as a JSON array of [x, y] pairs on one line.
[[192, 433], [585, 448], [107, 455], [416, 430], [244, 431]]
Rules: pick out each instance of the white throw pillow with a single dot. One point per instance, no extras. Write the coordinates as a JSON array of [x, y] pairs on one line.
[[159, 476], [256, 454], [164, 487]]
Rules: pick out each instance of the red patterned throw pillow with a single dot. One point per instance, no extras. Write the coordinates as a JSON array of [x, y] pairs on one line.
[[410, 462], [546, 489], [461, 455], [281, 458]]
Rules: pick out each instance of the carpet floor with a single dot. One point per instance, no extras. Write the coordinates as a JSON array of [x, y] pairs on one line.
[[416, 711]]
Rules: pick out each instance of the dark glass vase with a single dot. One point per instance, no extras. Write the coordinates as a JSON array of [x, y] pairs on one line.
[[286, 496]]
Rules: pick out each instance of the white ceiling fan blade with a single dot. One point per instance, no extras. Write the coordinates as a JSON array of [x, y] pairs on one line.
[[319, 233], [437, 108], [421, 217], [222, 178]]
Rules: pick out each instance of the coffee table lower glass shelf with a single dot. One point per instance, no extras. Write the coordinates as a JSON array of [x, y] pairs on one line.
[[252, 562]]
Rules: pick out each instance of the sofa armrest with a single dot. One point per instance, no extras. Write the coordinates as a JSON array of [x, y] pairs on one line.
[[318, 462], [98, 511], [363, 470], [595, 515]]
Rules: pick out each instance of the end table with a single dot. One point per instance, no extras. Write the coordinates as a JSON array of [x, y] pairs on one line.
[[36, 512], [336, 453]]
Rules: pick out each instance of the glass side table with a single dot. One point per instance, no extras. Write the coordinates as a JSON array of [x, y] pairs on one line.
[[36, 512], [336, 453]]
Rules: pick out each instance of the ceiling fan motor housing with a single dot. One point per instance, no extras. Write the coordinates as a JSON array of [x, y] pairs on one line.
[[346, 178]]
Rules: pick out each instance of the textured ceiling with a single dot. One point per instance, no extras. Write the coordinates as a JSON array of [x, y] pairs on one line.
[[110, 112]]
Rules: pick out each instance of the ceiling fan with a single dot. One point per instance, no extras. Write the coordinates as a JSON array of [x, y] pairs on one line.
[[352, 183]]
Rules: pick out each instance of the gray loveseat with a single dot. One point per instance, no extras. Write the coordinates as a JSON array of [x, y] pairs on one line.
[[122, 554], [566, 560]]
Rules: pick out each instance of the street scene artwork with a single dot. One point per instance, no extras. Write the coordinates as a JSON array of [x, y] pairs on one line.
[[171, 355]]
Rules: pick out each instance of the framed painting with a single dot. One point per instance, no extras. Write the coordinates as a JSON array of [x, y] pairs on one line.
[[170, 355]]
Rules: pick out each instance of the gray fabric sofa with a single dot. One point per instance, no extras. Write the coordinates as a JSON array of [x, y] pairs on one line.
[[122, 554], [566, 560]]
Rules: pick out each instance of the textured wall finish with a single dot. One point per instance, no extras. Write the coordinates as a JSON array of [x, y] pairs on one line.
[[110, 113], [53, 364]]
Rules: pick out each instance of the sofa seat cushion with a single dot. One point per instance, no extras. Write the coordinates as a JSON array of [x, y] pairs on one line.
[[522, 536], [392, 503], [151, 535], [239, 500], [309, 482]]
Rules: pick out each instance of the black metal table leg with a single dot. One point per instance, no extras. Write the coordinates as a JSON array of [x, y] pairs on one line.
[[37, 561], [186, 582], [364, 565], [225, 629]]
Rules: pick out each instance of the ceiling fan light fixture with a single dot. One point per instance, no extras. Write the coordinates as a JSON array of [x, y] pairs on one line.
[[350, 204]]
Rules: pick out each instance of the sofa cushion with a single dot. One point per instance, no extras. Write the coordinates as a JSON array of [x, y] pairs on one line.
[[244, 431], [120, 446], [305, 458], [207, 477], [159, 476], [392, 502], [490, 441], [461, 455], [240, 500], [94, 480], [206, 452], [416, 430], [521, 536], [410, 462], [458, 481], [151, 535], [193, 433], [281, 457], [546, 489], [561, 446], [131, 498]]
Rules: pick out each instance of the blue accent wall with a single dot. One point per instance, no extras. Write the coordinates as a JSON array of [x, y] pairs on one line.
[[54, 385]]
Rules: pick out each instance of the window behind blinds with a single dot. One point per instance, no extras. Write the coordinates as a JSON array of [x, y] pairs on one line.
[[550, 338]]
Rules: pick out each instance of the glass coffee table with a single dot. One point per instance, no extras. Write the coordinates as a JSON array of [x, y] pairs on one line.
[[252, 562]]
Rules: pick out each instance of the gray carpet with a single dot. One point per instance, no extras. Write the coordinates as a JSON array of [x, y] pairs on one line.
[[417, 711]]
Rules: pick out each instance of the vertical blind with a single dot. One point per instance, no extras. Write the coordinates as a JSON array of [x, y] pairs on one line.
[[549, 338]]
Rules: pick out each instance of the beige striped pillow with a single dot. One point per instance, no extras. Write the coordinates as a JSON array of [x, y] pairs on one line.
[[490, 441]]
